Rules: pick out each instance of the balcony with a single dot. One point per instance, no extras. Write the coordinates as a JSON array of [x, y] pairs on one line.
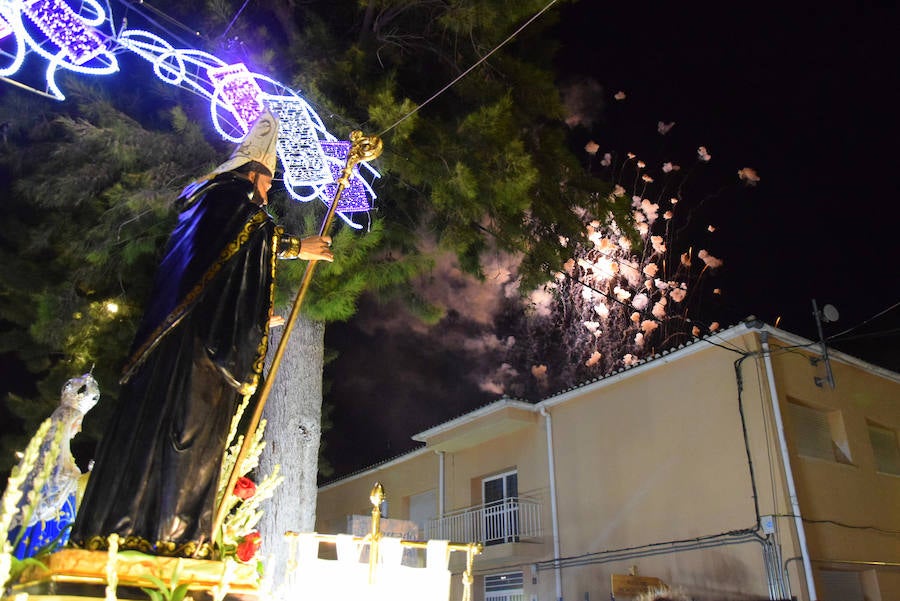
[[510, 520]]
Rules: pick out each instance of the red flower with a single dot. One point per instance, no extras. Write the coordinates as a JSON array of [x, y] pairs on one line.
[[248, 547], [244, 488]]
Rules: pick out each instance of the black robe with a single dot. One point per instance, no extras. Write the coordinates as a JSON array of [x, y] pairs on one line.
[[200, 348]]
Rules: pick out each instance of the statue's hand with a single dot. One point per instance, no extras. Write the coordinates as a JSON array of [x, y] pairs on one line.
[[316, 248]]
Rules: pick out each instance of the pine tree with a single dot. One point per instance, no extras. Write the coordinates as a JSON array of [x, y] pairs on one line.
[[89, 196]]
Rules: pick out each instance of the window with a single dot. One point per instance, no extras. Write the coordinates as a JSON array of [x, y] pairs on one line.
[[819, 433], [841, 586], [501, 508], [885, 448], [504, 587]]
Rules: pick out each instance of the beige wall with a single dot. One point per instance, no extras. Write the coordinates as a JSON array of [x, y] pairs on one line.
[[400, 479], [659, 457], [523, 451], [657, 454], [854, 494]]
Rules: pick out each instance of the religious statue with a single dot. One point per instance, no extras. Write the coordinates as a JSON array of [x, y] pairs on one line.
[[43, 524], [197, 353]]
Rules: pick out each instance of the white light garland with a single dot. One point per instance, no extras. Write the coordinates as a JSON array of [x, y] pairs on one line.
[[73, 41]]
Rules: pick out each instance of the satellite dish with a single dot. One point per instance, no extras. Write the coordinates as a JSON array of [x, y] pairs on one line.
[[830, 313]]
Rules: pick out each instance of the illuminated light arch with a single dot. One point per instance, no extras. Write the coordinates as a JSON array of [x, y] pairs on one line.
[[311, 157], [172, 65], [65, 28], [299, 145], [356, 197], [236, 84], [236, 97], [77, 47], [5, 28], [92, 6], [19, 57]]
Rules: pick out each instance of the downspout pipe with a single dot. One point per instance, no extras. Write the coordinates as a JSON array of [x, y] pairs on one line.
[[440, 455], [554, 515], [788, 471]]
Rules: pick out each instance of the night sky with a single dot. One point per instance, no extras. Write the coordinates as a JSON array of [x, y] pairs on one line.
[[806, 95]]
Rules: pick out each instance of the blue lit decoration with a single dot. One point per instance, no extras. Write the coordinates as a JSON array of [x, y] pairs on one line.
[[237, 86], [356, 197], [85, 41], [311, 165], [5, 28], [64, 28], [65, 39]]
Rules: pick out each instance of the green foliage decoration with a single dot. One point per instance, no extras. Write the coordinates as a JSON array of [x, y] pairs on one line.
[[167, 591]]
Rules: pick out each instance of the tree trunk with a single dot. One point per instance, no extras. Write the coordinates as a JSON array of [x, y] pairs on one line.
[[368, 19], [284, 14], [294, 416]]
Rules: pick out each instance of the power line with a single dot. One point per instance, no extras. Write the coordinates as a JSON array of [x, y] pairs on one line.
[[859, 325], [470, 69], [234, 19], [142, 8], [879, 334]]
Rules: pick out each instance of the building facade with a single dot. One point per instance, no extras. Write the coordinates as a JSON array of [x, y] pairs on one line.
[[741, 466]]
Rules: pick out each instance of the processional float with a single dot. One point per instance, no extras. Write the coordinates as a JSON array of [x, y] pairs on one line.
[[79, 36]]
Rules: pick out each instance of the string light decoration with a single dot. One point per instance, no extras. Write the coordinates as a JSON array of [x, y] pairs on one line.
[[299, 148], [5, 28], [235, 94], [65, 39], [190, 69], [19, 56], [235, 84], [72, 40], [64, 28], [356, 197]]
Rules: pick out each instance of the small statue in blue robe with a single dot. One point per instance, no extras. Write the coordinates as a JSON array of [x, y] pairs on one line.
[[43, 525]]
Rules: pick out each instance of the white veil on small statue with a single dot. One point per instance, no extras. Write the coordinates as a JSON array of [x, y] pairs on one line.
[[43, 520]]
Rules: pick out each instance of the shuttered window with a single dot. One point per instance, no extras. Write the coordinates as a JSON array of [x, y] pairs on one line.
[[819, 433], [885, 448]]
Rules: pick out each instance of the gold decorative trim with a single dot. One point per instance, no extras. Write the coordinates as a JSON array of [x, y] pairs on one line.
[[248, 388], [293, 244], [175, 317], [264, 341], [189, 549]]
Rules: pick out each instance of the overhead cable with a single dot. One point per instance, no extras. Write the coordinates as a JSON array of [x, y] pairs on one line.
[[864, 322], [470, 69]]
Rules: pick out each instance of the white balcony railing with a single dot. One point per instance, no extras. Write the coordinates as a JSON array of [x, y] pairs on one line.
[[506, 521]]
